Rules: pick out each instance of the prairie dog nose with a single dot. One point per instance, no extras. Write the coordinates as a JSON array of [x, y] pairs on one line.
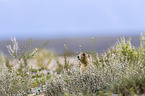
[[78, 57]]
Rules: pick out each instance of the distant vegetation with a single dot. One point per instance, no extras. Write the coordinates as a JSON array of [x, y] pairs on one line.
[[119, 70]]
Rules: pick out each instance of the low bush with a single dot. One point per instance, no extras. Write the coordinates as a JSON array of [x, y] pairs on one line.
[[119, 70]]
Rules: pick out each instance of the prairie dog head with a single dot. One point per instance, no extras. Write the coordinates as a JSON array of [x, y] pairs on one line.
[[83, 58]]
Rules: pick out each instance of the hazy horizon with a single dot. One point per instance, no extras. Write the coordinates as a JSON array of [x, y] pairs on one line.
[[71, 35]]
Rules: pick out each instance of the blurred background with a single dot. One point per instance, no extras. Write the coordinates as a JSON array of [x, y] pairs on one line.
[[70, 22]]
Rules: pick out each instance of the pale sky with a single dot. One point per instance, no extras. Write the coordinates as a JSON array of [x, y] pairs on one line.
[[70, 18]]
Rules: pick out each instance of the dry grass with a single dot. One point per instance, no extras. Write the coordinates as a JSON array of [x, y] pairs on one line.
[[119, 70]]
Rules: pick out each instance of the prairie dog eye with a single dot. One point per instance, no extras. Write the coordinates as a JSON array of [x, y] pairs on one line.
[[83, 54]]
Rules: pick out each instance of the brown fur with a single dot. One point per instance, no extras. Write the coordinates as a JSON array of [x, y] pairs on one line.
[[85, 60]]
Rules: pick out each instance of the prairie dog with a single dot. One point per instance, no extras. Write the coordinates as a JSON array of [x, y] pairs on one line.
[[85, 60]]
